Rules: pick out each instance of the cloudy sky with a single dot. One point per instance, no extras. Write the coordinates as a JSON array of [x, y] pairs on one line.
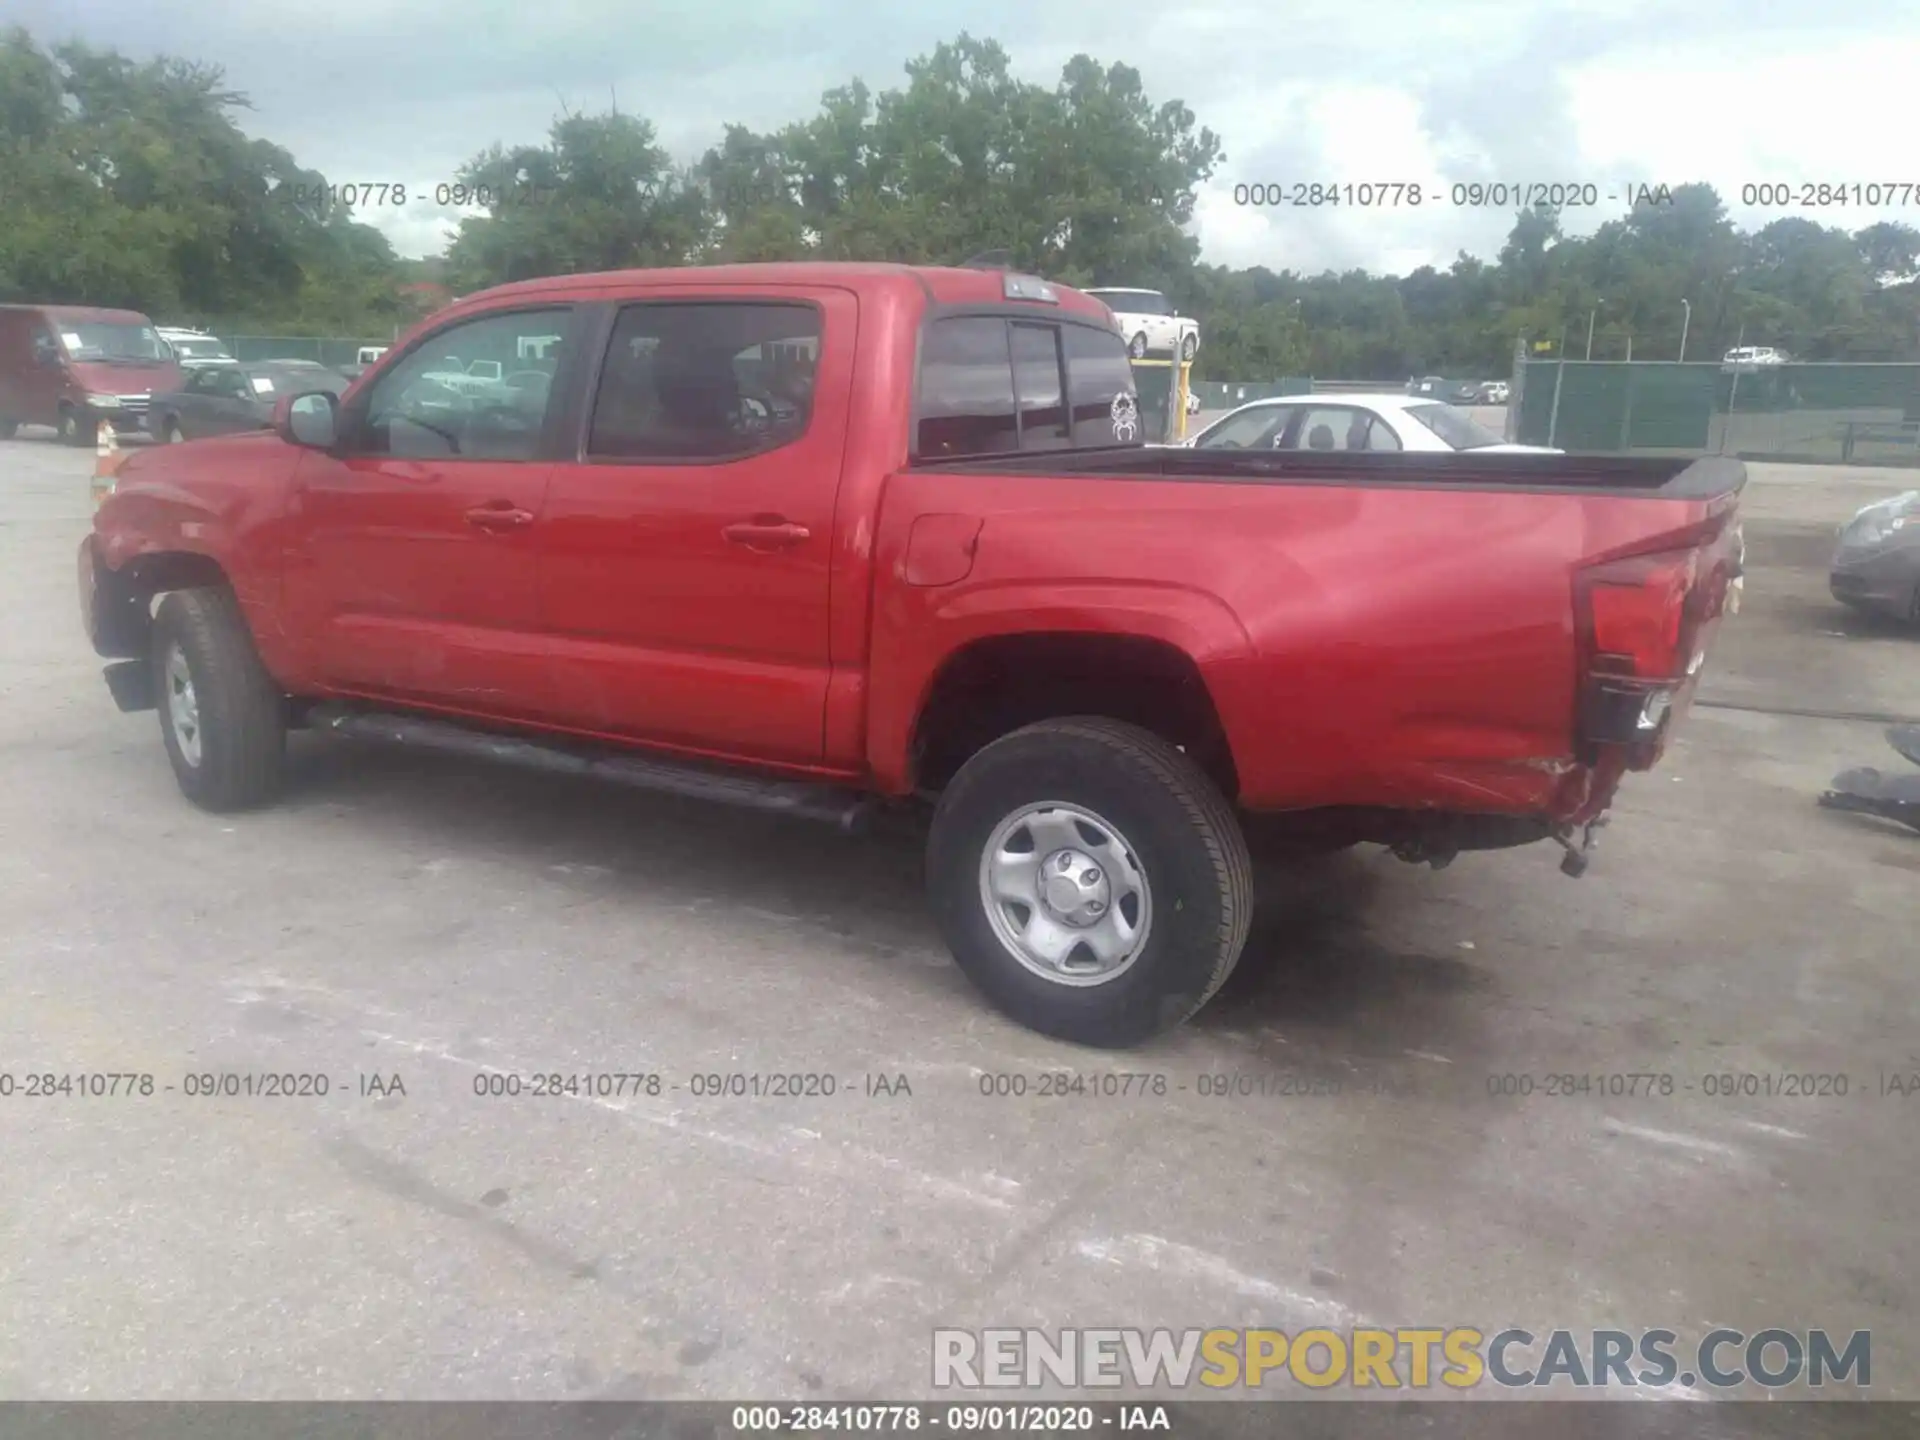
[[1610, 92]]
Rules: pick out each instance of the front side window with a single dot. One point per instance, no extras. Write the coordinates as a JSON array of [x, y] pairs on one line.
[[1259, 427], [432, 404], [702, 381]]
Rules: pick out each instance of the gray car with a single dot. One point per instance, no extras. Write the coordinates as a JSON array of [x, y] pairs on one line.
[[1877, 566], [226, 397]]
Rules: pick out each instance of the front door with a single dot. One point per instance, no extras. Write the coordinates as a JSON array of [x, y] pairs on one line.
[[686, 554], [221, 404], [411, 560]]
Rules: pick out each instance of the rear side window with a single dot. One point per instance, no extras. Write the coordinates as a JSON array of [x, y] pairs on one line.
[[706, 381], [990, 387]]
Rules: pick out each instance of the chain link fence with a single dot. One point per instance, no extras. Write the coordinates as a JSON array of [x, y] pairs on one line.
[[327, 349], [1825, 413]]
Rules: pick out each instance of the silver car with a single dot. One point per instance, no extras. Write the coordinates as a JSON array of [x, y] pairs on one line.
[[1877, 565]]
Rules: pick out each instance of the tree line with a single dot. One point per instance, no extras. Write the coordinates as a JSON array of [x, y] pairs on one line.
[[132, 183]]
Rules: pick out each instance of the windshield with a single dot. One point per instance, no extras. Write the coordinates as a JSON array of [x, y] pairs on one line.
[[1134, 302], [1455, 427], [109, 340], [198, 349]]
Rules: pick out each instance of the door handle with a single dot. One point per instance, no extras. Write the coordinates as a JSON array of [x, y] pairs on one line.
[[767, 534], [501, 515]]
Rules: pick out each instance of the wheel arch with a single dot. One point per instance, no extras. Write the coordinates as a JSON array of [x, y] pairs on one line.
[[995, 684]]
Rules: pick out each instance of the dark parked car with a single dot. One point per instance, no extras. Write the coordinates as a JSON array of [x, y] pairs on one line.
[[1877, 564], [224, 397]]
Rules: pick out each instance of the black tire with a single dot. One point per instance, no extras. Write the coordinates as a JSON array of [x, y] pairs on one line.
[[1190, 346], [241, 716], [1176, 826], [171, 433], [78, 429], [1137, 347]]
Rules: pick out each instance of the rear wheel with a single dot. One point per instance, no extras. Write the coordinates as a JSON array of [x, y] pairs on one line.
[[1090, 880], [222, 717], [1137, 347]]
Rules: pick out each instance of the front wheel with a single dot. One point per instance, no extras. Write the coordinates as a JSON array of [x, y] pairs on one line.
[[1090, 880], [174, 434], [8, 428], [222, 717], [78, 429], [1190, 346], [1137, 347]]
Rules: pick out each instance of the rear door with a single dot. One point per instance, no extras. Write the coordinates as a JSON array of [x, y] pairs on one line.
[[686, 557], [411, 565]]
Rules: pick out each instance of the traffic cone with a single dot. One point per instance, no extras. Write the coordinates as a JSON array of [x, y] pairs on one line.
[[106, 462]]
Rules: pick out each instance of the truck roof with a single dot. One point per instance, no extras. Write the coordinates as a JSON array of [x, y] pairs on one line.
[[82, 312], [937, 284]]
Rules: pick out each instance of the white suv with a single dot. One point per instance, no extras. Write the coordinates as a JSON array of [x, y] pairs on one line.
[[192, 346], [1150, 322], [1754, 355]]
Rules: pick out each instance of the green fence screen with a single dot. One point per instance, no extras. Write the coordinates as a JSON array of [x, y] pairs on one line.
[[1834, 413], [1226, 394]]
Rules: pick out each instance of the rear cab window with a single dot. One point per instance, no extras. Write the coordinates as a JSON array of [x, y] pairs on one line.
[[1002, 385]]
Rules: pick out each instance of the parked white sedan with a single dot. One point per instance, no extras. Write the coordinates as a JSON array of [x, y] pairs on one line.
[[1355, 422]]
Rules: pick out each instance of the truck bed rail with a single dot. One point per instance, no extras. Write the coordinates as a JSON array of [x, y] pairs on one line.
[[1644, 477]]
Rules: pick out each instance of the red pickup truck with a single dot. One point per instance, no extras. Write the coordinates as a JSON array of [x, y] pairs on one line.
[[841, 539]]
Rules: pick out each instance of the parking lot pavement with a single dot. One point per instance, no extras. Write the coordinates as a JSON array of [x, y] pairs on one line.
[[434, 923]]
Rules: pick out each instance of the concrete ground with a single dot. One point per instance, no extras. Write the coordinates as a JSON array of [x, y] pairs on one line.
[[436, 922]]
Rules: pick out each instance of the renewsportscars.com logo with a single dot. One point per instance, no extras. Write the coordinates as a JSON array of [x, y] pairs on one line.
[[1360, 1357]]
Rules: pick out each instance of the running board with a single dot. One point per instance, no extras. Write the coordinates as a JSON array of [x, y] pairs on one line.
[[846, 810]]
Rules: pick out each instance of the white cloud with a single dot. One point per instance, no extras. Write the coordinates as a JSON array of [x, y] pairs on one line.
[[1661, 91]]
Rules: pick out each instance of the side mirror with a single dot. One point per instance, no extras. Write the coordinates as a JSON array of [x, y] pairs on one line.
[[309, 420]]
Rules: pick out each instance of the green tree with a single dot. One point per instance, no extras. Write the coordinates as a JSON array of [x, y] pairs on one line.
[[601, 194]]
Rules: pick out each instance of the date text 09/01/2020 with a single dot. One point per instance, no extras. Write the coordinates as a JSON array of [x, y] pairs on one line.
[[1474, 194]]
